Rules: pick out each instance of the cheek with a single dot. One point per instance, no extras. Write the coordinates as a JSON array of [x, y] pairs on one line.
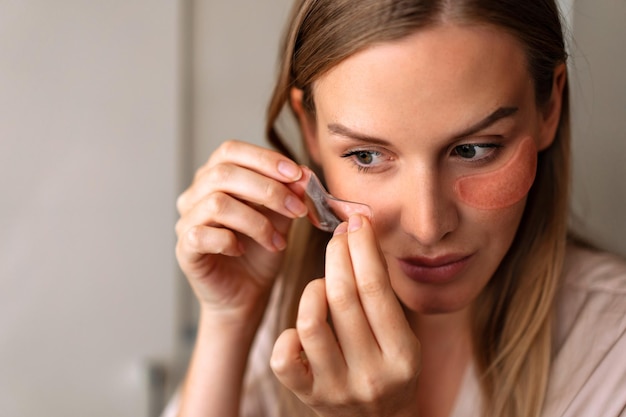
[[504, 186]]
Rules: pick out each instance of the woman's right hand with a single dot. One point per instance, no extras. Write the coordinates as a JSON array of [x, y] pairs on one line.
[[232, 230]]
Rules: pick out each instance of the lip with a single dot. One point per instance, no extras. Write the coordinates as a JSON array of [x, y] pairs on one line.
[[435, 270]]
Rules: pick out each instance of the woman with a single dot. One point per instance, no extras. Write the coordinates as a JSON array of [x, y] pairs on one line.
[[461, 294]]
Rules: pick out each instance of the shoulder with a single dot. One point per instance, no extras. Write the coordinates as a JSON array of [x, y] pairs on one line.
[[594, 271], [593, 287], [588, 374], [592, 295]]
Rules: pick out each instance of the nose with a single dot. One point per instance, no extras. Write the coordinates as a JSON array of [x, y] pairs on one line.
[[428, 213]]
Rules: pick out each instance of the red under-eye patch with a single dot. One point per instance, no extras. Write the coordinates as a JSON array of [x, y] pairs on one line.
[[503, 186]]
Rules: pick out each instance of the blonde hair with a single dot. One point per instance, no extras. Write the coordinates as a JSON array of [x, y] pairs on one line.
[[513, 314]]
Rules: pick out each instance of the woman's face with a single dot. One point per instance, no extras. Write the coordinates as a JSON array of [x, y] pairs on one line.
[[438, 133]]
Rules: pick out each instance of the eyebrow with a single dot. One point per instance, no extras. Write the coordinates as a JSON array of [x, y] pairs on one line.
[[500, 113], [341, 130]]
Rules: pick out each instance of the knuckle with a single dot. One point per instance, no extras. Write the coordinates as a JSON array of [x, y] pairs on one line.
[[193, 237], [226, 150], [199, 172], [229, 240], [267, 157], [216, 204], [178, 228], [280, 360], [410, 367], [228, 146], [219, 173], [181, 203], [263, 227], [407, 363], [371, 287], [271, 191], [279, 363], [404, 375], [309, 326], [340, 296], [371, 388]]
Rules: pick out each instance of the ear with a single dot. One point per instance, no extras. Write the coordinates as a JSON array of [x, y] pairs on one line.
[[551, 113], [307, 123]]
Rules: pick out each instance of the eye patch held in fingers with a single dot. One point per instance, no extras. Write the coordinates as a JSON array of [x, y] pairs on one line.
[[325, 211], [503, 186]]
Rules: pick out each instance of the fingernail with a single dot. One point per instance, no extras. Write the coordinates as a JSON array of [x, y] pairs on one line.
[[341, 229], [279, 241], [354, 223], [290, 170], [296, 206]]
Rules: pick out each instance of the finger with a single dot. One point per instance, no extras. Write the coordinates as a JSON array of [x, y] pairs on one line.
[[317, 338], [299, 187], [202, 240], [245, 185], [377, 298], [223, 211], [262, 160], [351, 327], [290, 365]]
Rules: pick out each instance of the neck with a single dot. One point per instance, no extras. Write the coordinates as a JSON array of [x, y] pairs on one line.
[[442, 333], [447, 347]]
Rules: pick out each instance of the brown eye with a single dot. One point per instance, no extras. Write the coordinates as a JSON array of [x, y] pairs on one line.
[[365, 159]]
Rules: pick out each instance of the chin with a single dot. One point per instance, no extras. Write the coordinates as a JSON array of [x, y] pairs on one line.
[[434, 305], [429, 300]]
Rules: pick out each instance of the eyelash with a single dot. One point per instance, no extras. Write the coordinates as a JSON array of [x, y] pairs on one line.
[[483, 160], [352, 155]]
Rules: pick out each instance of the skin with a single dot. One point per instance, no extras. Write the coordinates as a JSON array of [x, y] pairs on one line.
[[406, 107], [233, 221], [504, 186], [398, 344]]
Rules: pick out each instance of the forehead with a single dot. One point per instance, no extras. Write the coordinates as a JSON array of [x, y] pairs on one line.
[[430, 75]]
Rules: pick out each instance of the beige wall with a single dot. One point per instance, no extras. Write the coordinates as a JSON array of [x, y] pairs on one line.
[[599, 120], [234, 60], [89, 131]]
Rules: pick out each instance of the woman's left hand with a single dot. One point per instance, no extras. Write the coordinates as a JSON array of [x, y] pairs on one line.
[[370, 363]]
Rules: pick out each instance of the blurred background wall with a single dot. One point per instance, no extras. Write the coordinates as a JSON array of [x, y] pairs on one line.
[[89, 145], [106, 110], [598, 66]]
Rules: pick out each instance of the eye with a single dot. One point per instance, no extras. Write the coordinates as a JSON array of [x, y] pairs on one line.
[[475, 152], [364, 159]]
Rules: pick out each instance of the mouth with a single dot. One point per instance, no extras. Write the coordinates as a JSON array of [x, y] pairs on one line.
[[436, 270]]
